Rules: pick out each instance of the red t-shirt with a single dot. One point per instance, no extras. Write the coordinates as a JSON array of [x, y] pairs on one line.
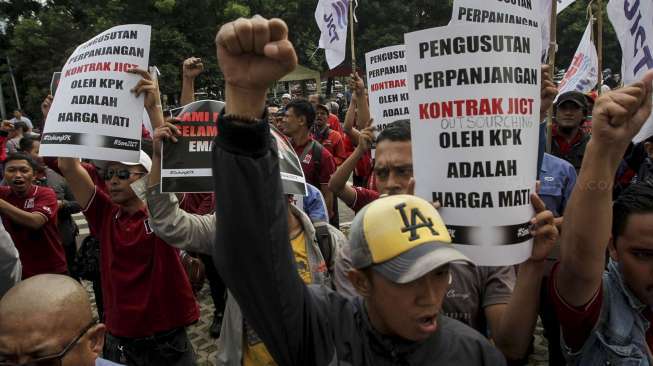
[[332, 141], [145, 287], [40, 250], [363, 197], [198, 203], [565, 146], [577, 323], [327, 166], [334, 123], [363, 167]]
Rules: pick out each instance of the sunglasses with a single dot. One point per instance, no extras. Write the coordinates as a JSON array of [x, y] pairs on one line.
[[50, 360], [122, 174]]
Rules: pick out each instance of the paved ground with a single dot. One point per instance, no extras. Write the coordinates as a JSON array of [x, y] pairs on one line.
[[206, 347]]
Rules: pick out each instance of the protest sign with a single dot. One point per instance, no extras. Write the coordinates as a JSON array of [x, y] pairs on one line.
[[474, 108], [186, 164], [632, 21], [386, 77], [292, 175], [54, 84], [527, 13], [94, 114], [583, 73]]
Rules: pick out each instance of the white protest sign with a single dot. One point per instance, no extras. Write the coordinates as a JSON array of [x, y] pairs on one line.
[[474, 107], [526, 13], [583, 73], [94, 114], [386, 80], [633, 23]]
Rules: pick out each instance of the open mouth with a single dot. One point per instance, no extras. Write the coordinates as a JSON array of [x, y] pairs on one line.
[[428, 323]]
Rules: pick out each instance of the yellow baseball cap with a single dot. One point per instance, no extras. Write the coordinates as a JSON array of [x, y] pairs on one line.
[[402, 237]]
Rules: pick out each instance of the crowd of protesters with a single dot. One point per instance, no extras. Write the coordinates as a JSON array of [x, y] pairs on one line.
[[289, 287]]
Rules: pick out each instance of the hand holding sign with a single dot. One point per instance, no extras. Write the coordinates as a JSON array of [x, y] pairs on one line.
[[253, 53], [619, 115], [544, 231], [192, 67], [548, 91], [45, 106], [167, 132], [357, 85]]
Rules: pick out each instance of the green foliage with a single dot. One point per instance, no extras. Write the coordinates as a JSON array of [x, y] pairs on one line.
[[42, 34]]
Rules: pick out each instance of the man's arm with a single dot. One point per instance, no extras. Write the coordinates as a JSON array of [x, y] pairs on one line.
[[348, 127], [512, 325], [192, 67], [32, 220], [338, 182], [253, 254], [363, 112], [78, 179], [617, 117]]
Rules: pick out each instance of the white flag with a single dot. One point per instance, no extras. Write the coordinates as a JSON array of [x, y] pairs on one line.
[[563, 4], [332, 17], [582, 74], [633, 23]]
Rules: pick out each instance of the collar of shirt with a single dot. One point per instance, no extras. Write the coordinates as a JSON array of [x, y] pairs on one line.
[[565, 146]]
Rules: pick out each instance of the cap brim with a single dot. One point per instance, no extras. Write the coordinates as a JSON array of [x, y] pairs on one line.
[[420, 260], [571, 100]]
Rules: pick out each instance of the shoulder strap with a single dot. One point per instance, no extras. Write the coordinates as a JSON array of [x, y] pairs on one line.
[[324, 241], [317, 155]]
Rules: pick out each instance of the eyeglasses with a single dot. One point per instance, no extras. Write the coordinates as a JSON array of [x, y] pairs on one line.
[[50, 360], [122, 174]]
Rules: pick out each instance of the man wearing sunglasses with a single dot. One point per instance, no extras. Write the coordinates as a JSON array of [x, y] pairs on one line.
[[47, 320], [148, 300]]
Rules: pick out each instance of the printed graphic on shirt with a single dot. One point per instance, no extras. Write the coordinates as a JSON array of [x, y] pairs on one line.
[[29, 203], [301, 257]]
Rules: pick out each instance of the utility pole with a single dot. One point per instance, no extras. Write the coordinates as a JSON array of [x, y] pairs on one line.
[[13, 81]]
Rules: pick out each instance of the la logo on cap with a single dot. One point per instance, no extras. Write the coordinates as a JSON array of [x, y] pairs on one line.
[[412, 226]]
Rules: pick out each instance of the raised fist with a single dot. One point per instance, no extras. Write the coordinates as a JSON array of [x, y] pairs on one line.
[[192, 67], [253, 53]]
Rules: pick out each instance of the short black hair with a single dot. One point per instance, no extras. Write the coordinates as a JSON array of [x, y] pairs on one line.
[[636, 199], [22, 125], [397, 131], [303, 108], [27, 143], [22, 156]]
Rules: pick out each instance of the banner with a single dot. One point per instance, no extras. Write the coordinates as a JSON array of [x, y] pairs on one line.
[[528, 14], [54, 84], [582, 75], [186, 165], [563, 4], [386, 78], [94, 114], [633, 23], [474, 106], [292, 175], [332, 17]]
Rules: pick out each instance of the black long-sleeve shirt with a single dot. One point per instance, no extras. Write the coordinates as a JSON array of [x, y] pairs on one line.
[[302, 325]]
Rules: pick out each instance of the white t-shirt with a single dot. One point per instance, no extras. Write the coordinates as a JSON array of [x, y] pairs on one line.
[[23, 119]]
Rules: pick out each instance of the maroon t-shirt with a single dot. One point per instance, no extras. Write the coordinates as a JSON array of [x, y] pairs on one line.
[[198, 203], [363, 197], [315, 175], [40, 250], [145, 288]]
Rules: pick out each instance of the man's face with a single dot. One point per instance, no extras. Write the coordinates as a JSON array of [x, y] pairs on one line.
[[19, 175], [24, 341], [271, 112], [321, 117], [634, 252], [569, 115], [285, 101], [291, 123], [393, 167], [122, 176], [17, 114], [314, 99], [408, 310]]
